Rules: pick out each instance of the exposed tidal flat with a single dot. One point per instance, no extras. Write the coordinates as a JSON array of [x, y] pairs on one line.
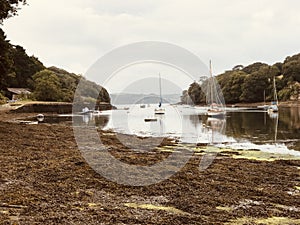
[[44, 179]]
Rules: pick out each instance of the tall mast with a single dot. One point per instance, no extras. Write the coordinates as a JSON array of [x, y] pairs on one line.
[[211, 83], [210, 68], [275, 91], [160, 90]]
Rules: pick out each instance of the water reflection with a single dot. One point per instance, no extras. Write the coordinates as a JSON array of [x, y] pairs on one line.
[[252, 128], [260, 127], [99, 121], [217, 126]]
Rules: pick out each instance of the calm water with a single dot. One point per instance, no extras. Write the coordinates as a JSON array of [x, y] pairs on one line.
[[241, 129]]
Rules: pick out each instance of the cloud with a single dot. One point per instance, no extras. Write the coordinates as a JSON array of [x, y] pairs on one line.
[[74, 34]]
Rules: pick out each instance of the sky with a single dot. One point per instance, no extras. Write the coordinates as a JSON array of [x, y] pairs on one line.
[[73, 35]]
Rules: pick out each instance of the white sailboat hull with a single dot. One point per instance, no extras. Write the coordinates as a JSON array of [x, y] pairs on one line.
[[263, 107], [273, 108], [159, 111]]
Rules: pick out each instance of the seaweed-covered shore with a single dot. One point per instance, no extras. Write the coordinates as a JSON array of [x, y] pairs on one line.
[[45, 180]]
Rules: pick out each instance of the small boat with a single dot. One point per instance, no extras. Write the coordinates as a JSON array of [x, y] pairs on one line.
[[142, 106], [40, 117], [150, 120], [273, 108], [215, 111], [159, 110], [85, 111]]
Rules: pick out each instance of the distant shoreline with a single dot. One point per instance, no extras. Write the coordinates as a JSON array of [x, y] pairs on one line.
[[68, 105], [281, 104], [255, 104]]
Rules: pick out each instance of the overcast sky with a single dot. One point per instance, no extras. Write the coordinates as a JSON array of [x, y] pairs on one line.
[[74, 34]]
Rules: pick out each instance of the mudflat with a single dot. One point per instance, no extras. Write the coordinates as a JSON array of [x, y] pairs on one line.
[[44, 179]]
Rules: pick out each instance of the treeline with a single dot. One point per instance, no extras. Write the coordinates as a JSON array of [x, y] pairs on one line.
[[18, 70], [54, 84], [252, 83]]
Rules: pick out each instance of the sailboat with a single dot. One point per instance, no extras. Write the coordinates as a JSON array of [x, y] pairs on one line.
[[273, 108], [159, 110], [214, 102]]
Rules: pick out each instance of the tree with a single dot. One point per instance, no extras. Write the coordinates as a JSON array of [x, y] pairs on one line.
[[47, 86], [238, 67], [232, 86], [253, 88], [9, 8], [24, 68], [253, 67], [195, 94], [292, 58], [6, 61], [54, 84], [279, 66], [185, 97], [291, 71], [249, 84]]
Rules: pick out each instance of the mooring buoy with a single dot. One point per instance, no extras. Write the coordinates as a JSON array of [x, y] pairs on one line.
[[40, 117]]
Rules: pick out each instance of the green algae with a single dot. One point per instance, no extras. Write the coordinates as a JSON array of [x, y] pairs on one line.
[[264, 156], [265, 221], [236, 154], [224, 208], [155, 207]]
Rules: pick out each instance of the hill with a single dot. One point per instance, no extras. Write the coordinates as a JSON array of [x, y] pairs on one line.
[[126, 98], [18, 70]]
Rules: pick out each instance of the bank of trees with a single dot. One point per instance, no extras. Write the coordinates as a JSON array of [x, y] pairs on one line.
[[54, 84], [253, 82]]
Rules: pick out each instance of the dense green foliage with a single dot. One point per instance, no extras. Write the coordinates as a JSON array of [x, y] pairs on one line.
[[231, 83], [6, 60], [16, 67], [47, 86], [54, 84], [253, 82], [194, 95], [23, 68]]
